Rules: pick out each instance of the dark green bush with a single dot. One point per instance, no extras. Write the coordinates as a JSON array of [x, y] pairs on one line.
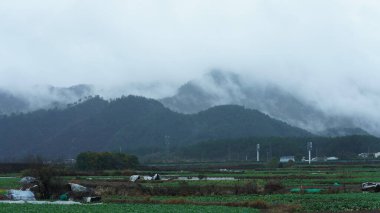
[[105, 160]]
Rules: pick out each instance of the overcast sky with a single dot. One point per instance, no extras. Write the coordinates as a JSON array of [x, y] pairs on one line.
[[316, 47]]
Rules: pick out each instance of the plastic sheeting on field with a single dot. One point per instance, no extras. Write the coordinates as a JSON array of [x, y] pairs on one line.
[[134, 178], [41, 202], [313, 190], [92, 199], [295, 190], [27, 180], [21, 195], [77, 188], [156, 177], [147, 178]]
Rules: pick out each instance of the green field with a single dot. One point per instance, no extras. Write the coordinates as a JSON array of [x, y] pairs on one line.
[[9, 183], [174, 195], [114, 208], [306, 202]]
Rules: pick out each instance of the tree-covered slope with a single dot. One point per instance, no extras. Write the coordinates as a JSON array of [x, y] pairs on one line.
[[221, 88], [128, 123], [41, 97], [346, 147]]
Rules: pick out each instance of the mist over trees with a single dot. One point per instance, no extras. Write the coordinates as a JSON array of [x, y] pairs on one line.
[[347, 147], [129, 123], [146, 128], [105, 161]]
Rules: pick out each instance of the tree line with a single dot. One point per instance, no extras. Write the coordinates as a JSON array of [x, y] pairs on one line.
[[105, 161]]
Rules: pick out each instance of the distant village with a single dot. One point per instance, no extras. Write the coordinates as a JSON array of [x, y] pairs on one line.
[[286, 159]]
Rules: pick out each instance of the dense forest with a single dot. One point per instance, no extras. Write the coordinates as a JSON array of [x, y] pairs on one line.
[[131, 124], [347, 147], [105, 161]]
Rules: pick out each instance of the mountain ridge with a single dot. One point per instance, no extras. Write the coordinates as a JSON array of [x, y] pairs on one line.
[[220, 88], [214, 89], [42, 97], [129, 123]]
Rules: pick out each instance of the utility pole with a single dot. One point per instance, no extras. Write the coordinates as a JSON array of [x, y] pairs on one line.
[[258, 152], [309, 148]]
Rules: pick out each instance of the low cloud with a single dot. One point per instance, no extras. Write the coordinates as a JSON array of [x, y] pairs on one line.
[[325, 51]]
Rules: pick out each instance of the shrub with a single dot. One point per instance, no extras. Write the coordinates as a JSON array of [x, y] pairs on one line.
[[289, 164], [105, 160], [273, 186], [49, 182], [202, 176], [258, 204]]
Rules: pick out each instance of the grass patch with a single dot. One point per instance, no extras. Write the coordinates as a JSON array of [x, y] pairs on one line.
[[116, 208], [9, 183]]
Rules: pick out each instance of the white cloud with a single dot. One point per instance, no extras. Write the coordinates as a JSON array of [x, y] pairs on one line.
[[325, 50]]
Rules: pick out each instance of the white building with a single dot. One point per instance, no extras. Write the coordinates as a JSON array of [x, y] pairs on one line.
[[376, 154], [332, 158], [285, 159], [363, 155]]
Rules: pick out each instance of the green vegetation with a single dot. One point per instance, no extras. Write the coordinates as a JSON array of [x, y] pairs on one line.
[[306, 202], [131, 123], [119, 208], [340, 184], [9, 183], [342, 147], [105, 160], [144, 127], [260, 188]]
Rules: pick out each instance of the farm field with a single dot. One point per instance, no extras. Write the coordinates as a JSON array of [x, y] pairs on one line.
[[297, 188], [118, 208]]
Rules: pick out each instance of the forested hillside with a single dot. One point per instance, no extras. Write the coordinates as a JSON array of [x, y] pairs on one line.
[[41, 97], [347, 147], [220, 88], [133, 124]]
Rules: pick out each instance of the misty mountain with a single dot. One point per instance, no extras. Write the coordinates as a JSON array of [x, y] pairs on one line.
[[343, 147], [129, 123], [42, 97], [333, 132], [10, 103], [218, 88]]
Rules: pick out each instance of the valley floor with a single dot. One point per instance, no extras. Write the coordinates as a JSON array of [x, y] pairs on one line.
[[297, 188]]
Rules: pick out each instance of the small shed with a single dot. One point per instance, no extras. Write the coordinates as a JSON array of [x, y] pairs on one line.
[[331, 158], [286, 159]]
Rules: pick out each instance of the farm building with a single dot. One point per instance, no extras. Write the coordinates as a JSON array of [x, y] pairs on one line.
[[285, 159], [331, 158]]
